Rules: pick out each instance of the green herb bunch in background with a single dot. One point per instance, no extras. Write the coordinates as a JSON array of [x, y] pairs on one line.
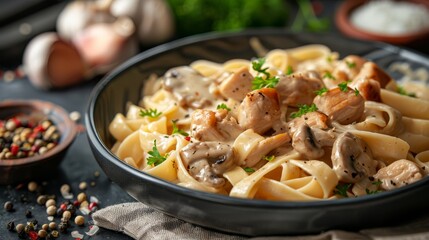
[[198, 16]]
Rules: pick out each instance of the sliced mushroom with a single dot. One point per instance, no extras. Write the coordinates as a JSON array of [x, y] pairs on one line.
[[304, 142], [399, 173], [352, 159], [344, 107], [207, 125], [190, 87], [260, 110], [373, 71], [298, 89], [207, 161], [237, 85]]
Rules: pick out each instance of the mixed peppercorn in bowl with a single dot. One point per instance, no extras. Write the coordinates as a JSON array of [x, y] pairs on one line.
[[34, 136]]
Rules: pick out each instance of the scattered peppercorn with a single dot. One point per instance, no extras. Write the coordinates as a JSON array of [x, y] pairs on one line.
[[71, 208], [81, 197], [83, 185], [29, 228], [50, 202], [51, 210], [67, 215], [28, 214], [45, 227], [55, 234], [20, 228], [11, 226], [79, 220], [62, 227], [34, 222], [42, 233], [96, 174], [8, 206], [65, 188], [52, 226], [32, 186], [41, 200], [60, 211]]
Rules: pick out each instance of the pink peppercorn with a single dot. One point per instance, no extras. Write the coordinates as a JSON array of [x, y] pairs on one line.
[[92, 205], [33, 235]]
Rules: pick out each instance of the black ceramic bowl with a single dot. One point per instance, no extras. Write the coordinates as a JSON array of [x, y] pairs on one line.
[[223, 213]]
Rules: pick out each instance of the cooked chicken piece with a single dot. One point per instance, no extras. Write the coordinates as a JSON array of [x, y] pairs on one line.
[[373, 71], [352, 159], [207, 125], [265, 147], [207, 161], [368, 88], [298, 89], [399, 173], [348, 68], [190, 87], [344, 107], [260, 110], [237, 85]]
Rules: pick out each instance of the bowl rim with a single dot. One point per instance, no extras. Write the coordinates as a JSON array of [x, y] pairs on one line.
[[342, 20], [42, 106], [95, 140]]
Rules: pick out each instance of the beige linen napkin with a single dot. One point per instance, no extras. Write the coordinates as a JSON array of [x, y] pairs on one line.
[[141, 222]]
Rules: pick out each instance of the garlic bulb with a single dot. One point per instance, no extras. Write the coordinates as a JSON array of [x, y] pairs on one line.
[[51, 62]]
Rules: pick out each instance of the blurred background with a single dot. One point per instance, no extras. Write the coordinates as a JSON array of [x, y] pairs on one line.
[[98, 35]]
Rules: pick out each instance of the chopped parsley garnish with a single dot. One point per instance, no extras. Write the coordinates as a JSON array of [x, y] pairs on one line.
[[343, 86], [341, 189], [223, 106], [289, 70], [269, 158], [350, 64], [369, 192], [249, 169], [321, 91], [152, 113], [177, 130], [402, 91], [260, 82], [356, 91], [303, 109], [329, 75], [377, 183], [329, 58], [155, 157]]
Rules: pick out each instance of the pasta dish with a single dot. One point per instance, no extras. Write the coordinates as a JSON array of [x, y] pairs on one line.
[[297, 124]]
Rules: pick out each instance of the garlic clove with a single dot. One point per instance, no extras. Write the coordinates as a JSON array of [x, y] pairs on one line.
[[103, 45], [51, 62], [156, 24], [77, 15]]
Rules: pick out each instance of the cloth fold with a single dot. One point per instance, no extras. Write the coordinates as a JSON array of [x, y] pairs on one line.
[[142, 222]]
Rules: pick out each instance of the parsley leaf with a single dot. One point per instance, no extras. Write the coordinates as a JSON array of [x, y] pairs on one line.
[[356, 91], [341, 189], [155, 157], [269, 158], [249, 169], [177, 130], [289, 70], [350, 64], [259, 82], [329, 75], [223, 106], [152, 113], [303, 109], [321, 91], [402, 91], [369, 192], [343, 86], [377, 183]]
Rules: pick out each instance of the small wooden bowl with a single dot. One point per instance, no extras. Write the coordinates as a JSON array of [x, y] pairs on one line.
[[342, 20], [24, 169]]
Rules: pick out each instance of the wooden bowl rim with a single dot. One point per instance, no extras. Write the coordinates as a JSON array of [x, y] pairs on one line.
[[342, 20], [43, 107]]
